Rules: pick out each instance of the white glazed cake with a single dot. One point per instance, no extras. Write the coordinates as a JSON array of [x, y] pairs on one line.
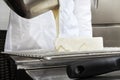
[[79, 44]]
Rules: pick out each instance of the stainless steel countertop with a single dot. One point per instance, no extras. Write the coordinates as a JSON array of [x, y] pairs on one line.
[[55, 69], [31, 64], [60, 74], [33, 69], [57, 61]]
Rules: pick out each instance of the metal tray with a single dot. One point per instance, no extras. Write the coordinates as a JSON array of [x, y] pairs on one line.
[[37, 59]]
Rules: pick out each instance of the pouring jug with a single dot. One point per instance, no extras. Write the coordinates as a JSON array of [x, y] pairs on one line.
[[31, 8]]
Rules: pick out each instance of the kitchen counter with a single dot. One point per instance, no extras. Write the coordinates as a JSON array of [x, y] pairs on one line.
[[37, 70], [60, 74], [55, 69]]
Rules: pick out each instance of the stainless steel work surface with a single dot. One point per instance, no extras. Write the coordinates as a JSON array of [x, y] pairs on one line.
[[62, 60], [55, 69], [60, 74]]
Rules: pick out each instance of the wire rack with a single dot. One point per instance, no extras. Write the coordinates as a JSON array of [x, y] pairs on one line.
[[7, 66]]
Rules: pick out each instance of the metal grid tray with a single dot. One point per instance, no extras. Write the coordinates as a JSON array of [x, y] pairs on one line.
[[37, 59], [49, 55]]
